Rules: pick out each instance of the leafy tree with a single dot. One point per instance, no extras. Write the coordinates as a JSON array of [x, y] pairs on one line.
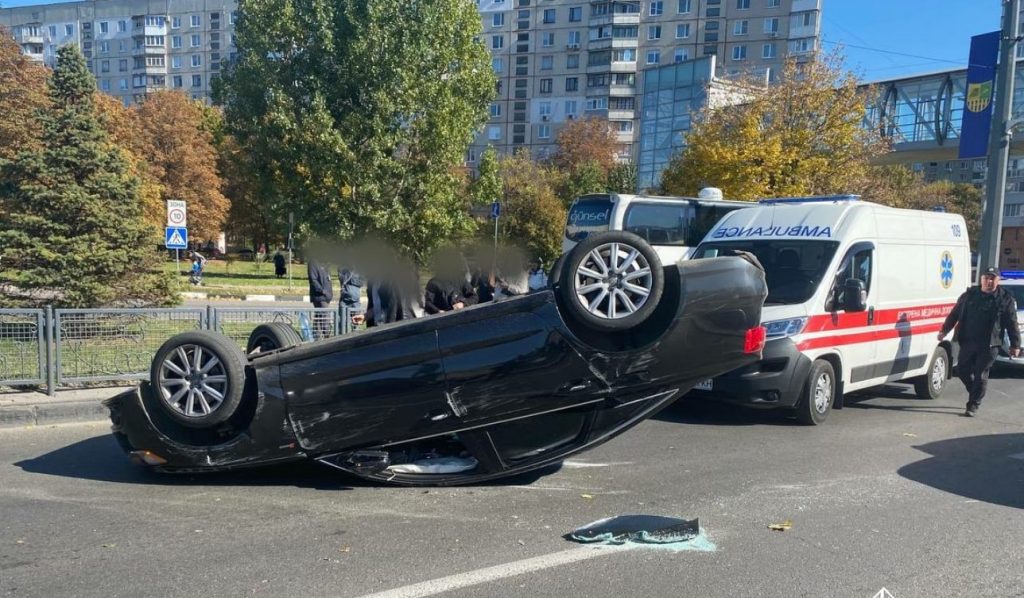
[[586, 143], [180, 152], [74, 235], [801, 136], [587, 177], [532, 217], [623, 178], [488, 185], [357, 113], [22, 95]]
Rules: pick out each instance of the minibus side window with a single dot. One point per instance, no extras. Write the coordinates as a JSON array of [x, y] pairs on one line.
[[856, 265]]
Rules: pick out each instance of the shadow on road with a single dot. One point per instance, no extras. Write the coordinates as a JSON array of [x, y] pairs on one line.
[[101, 459], [707, 411], [977, 467], [910, 401]]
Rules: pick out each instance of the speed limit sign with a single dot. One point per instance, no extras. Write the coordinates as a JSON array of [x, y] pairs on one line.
[[176, 214]]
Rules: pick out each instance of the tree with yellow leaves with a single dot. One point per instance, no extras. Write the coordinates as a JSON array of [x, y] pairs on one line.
[[802, 135], [22, 95]]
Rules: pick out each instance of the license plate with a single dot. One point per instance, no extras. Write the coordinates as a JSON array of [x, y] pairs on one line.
[[705, 385]]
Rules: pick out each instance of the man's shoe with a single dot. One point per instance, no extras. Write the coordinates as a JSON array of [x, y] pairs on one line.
[[971, 411]]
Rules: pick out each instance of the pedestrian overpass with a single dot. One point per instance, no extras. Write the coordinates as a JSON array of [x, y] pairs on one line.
[[921, 115]]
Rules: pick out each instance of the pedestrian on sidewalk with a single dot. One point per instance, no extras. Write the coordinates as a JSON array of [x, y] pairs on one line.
[[351, 290], [981, 315], [320, 295]]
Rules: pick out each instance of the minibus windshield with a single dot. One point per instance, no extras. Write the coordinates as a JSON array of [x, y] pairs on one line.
[[793, 268]]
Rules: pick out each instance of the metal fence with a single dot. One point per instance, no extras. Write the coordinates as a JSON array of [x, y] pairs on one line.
[[59, 347]]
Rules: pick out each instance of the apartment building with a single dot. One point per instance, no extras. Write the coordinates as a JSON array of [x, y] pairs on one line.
[[133, 46], [559, 60]]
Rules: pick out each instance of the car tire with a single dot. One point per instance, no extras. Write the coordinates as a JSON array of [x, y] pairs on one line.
[[931, 384], [818, 394], [198, 378], [611, 281], [268, 337], [555, 273]]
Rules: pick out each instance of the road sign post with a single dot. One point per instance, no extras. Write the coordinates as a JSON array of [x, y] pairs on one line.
[[177, 218]]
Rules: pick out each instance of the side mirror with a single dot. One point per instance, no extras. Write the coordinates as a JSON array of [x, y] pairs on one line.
[[855, 295]]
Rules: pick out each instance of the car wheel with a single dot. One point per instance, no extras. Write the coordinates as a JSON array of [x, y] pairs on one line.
[[931, 384], [555, 274], [818, 395], [199, 378], [268, 337], [611, 281]]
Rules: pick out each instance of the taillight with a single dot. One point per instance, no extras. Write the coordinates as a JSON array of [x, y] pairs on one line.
[[754, 341]]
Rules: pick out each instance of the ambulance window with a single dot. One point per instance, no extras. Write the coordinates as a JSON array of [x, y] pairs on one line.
[[856, 265], [658, 224]]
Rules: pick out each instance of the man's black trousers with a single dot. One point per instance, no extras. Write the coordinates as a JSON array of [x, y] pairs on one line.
[[973, 365]]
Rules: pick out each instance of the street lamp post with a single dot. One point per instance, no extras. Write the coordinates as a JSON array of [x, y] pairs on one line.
[[999, 139]]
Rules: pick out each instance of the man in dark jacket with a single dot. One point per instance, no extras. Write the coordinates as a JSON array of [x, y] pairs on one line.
[[351, 294], [980, 316], [320, 295]]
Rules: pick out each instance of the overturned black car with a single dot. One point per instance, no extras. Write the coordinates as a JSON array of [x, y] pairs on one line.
[[489, 391]]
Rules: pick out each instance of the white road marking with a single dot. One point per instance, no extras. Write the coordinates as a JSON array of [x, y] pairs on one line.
[[585, 465], [489, 574], [1018, 456]]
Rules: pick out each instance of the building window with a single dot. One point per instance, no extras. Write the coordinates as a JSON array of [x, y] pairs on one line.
[[773, 3], [195, 20], [545, 85], [122, 84], [105, 66], [654, 32], [681, 54], [771, 25], [495, 110], [549, 15], [53, 31], [547, 39], [196, 41], [197, 80], [175, 62], [122, 65], [572, 84], [802, 46], [544, 108], [597, 103], [104, 47], [104, 27], [742, 4], [684, 7], [768, 51], [155, 41], [197, 60], [682, 30], [544, 132], [497, 65], [155, 21], [176, 80], [175, 22], [624, 55], [572, 61], [657, 7], [739, 53], [575, 14], [122, 45], [497, 42], [494, 133], [740, 27], [805, 20], [69, 29], [574, 39], [653, 56], [175, 41], [570, 108], [547, 63]]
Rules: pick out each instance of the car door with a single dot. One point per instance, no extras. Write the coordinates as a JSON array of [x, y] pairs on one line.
[[856, 334], [506, 361], [381, 386]]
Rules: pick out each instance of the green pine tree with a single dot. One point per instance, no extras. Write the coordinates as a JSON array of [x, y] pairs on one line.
[[74, 235]]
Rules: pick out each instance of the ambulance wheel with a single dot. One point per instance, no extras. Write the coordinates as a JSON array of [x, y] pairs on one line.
[[931, 384], [611, 281], [818, 395]]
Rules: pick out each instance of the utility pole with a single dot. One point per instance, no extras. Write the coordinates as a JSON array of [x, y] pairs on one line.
[[999, 139]]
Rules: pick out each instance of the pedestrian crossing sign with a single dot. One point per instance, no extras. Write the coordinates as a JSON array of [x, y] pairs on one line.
[[176, 237]]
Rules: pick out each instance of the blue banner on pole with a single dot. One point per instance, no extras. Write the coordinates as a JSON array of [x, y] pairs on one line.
[[981, 74]]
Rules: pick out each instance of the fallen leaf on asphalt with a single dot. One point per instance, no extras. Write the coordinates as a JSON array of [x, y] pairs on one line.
[[781, 527], [107, 545], [910, 435], [587, 496], [19, 541], [521, 543], [345, 549]]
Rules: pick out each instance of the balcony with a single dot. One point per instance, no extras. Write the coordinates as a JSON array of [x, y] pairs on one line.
[[798, 32], [623, 67], [149, 50], [802, 5], [622, 91], [27, 37], [620, 114], [624, 136]]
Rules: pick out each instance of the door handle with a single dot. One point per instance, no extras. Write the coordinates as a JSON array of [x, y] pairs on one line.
[[871, 316]]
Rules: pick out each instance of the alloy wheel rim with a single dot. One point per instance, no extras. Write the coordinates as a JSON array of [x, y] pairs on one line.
[[613, 281], [193, 381], [822, 393], [938, 373]]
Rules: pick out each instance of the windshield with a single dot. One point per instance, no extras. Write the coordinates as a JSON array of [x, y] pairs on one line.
[[1017, 290], [793, 269], [588, 215]]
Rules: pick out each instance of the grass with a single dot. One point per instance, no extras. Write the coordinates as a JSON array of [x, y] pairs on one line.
[[241, 278]]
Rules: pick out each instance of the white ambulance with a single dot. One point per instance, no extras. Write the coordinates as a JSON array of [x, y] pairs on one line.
[[856, 294]]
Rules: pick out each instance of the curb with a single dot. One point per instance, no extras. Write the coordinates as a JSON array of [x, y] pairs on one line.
[[20, 410]]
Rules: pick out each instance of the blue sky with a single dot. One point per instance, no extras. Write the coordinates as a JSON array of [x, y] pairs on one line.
[[935, 33]]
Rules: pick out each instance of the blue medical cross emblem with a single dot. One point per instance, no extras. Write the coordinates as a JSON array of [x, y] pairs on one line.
[[947, 270]]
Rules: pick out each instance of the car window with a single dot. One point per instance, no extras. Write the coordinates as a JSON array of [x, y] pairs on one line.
[[658, 224], [1017, 290], [856, 265], [588, 216]]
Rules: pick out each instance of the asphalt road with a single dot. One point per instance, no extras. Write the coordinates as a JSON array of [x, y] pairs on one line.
[[892, 492]]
